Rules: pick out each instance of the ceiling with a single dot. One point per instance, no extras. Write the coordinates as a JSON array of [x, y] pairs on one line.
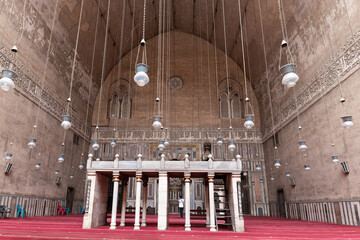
[[203, 18]]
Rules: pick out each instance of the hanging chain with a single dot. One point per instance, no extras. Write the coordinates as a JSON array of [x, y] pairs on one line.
[[144, 18], [281, 20], [267, 76]]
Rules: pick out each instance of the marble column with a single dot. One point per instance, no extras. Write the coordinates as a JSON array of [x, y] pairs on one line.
[[115, 200], [143, 218], [137, 201], [211, 202], [187, 202], [124, 199], [163, 201], [236, 205], [207, 208]]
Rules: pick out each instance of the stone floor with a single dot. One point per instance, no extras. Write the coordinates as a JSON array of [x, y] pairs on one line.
[[69, 227]]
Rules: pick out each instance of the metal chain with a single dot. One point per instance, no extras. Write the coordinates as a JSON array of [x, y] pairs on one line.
[[281, 20], [144, 18]]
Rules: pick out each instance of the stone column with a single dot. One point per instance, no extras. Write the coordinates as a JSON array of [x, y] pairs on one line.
[[163, 201], [235, 205], [137, 201], [115, 200], [124, 198], [187, 202], [211, 202], [143, 218], [207, 208]]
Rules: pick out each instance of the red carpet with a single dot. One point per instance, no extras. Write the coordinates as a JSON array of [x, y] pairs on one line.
[[69, 227]]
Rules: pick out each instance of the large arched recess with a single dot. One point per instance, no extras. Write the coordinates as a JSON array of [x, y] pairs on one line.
[[196, 103]]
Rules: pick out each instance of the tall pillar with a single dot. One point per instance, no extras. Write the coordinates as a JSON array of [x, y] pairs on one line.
[[234, 201], [211, 202], [115, 200], [163, 201], [137, 201], [207, 208], [187, 202], [123, 206], [143, 218]]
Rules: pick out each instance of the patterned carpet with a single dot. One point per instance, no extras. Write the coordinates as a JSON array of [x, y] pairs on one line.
[[69, 227]]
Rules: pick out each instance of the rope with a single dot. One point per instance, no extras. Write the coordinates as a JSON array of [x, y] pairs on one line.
[[226, 61], [120, 58], [267, 74], [297, 114], [22, 25], [103, 63], [74, 60], [157, 104], [45, 69], [209, 75], [216, 65], [91, 79], [243, 56], [130, 71]]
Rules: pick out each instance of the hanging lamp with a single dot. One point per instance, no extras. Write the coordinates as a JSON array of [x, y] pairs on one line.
[[249, 121], [277, 163], [32, 143], [335, 159], [8, 76], [272, 178], [290, 78], [141, 77], [302, 146], [66, 123], [347, 122], [61, 158], [8, 157], [161, 146], [81, 165], [307, 167], [37, 165], [287, 174], [258, 168], [113, 143], [95, 145]]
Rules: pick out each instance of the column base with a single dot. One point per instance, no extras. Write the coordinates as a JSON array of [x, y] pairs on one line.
[[212, 229], [187, 229], [143, 224], [207, 225], [122, 225], [112, 227], [136, 227]]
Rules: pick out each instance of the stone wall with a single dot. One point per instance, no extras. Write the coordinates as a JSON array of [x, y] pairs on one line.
[[31, 97], [324, 38]]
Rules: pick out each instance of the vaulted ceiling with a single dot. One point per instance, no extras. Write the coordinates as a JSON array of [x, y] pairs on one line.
[[203, 18]]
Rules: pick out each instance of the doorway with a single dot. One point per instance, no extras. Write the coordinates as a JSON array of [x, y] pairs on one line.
[[281, 202], [70, 198], [245, 198]]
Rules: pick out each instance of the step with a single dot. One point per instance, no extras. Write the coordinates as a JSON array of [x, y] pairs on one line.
[[222, 216], [222, 210], [225, 224]]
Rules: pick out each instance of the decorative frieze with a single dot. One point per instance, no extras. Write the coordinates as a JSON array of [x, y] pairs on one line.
[[340, 66], [175, 135], [29, 85]]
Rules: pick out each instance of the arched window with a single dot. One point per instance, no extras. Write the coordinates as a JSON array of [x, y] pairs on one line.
[[224, 106], [126, 107], [236, 106], [113, 108]]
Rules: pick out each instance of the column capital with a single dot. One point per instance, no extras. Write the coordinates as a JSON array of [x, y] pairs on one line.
[[163, 174], [92, 173], [236, 175], [115, 178], [138, 177], [116, 173]]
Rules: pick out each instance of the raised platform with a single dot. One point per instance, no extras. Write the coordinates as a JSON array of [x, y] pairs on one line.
[[60, 227]]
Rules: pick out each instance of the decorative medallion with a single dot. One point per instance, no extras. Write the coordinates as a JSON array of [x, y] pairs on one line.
[[175, 83]]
